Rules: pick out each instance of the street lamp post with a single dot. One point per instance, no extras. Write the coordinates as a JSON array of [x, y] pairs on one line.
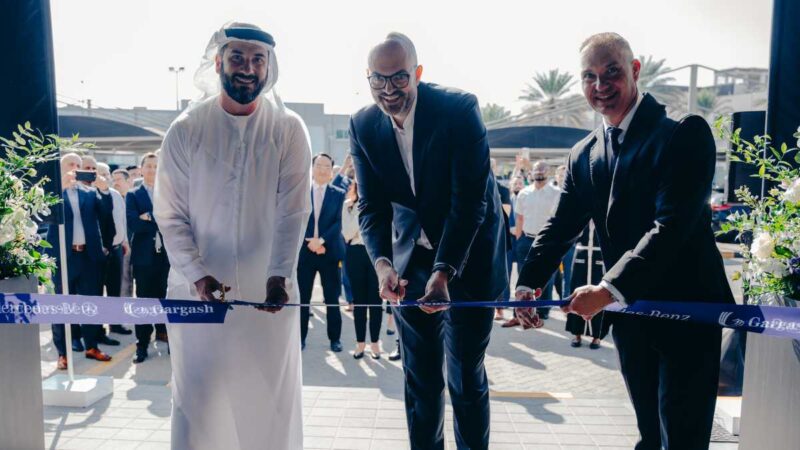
[[177, 71]]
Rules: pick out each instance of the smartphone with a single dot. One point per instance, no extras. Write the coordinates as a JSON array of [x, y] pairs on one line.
[[85, 175]]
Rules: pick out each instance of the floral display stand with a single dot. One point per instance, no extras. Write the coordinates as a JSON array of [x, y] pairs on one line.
[[769, 233]]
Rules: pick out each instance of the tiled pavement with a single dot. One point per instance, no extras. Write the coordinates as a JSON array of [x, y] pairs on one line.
[[545, 395]]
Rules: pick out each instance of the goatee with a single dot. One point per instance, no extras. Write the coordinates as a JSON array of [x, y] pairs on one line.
[[242, 94]]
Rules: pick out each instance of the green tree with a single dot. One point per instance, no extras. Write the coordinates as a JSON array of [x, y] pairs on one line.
[[654, 80], [492, 112], [709, 104], [548, 87], [549, 100]]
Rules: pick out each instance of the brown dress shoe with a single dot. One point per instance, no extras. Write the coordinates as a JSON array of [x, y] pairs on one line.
[[62, 363], [511, 323], [94, 353], [162, 337]]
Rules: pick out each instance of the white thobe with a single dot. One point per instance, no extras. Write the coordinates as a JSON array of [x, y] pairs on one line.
[[231, 201]]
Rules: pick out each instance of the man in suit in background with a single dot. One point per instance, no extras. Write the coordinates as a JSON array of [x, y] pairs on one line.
[[645, 180], [122, 183], [113, 268], [148, 255], [323, 250], [433, 226], [89, 230]]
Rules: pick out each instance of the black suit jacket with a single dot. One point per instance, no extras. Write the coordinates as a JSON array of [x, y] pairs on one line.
[[456, 201], [330, 223], [98, 228], [142, 232], [652, 214]]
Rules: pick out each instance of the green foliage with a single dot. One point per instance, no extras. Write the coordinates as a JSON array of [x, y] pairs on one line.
[[772, 262], [24, 202], [492, 112]]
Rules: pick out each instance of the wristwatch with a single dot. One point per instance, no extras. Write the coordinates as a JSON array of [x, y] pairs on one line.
[[446, 268]]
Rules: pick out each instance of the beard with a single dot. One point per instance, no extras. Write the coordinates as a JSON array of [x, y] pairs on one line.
[[401, 105], [241, 93]]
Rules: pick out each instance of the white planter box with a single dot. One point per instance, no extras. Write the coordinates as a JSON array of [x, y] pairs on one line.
[[21, 410], [771, 396]]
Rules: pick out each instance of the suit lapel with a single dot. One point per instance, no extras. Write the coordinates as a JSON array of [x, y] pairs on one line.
[[144, 198], [422, 131], [638, 134], [82, 199], [325, 202], [598, 168], [390, 156]]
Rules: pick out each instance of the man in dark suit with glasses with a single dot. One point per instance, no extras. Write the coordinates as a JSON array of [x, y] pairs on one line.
[[433, 226]]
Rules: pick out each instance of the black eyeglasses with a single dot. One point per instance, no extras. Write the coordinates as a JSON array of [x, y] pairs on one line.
[[399, 80]]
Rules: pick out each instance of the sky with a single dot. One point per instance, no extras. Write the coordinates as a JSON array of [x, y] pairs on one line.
[[117, 52]]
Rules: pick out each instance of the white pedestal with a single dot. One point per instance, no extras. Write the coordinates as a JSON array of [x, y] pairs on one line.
[[21, 416], [83, 392], [771, 397], [729, 409]]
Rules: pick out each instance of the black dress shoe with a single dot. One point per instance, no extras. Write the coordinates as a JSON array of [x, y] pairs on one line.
[[105, 340], [576, 343], [395, 355], [77, 346], [119, 329], [358, 355], [336, 346], [140, 357], [594, 345]]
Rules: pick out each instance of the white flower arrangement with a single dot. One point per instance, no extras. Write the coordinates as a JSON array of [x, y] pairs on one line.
[[23, 202], [771, 269]]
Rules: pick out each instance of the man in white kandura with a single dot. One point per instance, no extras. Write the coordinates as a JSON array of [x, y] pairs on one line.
[[231, 200]]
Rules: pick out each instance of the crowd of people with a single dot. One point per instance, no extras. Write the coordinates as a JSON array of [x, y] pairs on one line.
[[113, 248], [417, 214]]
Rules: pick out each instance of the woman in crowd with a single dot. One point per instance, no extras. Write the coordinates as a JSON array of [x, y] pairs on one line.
[[363, 280]]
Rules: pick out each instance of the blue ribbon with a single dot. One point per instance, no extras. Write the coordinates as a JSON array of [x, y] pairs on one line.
[[44, 309]]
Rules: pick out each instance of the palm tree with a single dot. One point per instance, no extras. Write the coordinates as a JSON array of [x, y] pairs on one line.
[[549, 101], [653, 79], [709, 104], [549, 88], [492, 112]]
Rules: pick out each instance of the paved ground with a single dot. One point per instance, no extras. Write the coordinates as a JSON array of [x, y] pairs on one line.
[[545, 395]]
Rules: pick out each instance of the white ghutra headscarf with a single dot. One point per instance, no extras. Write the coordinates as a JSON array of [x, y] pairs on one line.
[[206, 79]]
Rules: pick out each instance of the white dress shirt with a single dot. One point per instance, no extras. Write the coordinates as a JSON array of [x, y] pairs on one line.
[[319, 197], [78, 234], [624, 125], [159, 242], [120, 220], [405, 142]]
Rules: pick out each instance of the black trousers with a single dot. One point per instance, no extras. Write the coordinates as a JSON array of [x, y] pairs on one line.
[[151, 282], [87, 282], [456, 337], [364, 286], [112, 274], [331, 277], [671, 370]]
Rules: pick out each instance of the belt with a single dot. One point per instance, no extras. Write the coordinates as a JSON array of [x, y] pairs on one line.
[[79, 248]]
